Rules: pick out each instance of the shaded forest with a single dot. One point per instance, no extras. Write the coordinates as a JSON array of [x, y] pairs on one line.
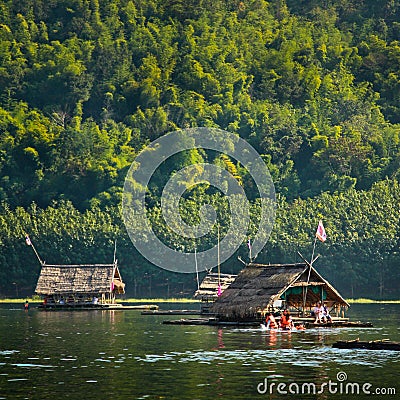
[[313, 86]]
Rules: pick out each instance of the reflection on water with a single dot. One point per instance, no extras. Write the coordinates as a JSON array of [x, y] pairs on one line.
[[123, 355]]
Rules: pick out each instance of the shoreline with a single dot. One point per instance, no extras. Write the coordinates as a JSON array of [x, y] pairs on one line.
[[371, 301], [188, 300], [118, 301]]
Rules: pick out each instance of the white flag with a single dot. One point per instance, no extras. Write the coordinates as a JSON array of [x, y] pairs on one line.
[[321, 234]]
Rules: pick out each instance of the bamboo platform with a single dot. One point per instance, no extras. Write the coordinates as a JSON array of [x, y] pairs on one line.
[[172, 312], [210, 322], [312, 319], [339, 324], [371, 345], [217, 322], [89, 306]]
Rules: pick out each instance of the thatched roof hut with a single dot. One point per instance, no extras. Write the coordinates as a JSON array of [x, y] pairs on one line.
[[208, 289], [259, 287], [80, 281]]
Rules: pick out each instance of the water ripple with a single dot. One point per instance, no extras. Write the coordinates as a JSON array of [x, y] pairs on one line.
[[300, 357], [27, 365], [8, 352]]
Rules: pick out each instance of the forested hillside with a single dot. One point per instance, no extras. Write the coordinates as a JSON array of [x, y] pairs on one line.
[[313, 86]]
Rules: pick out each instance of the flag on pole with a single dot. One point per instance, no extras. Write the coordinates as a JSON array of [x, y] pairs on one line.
[[28, 241], [321, 234], [249, 244], [219, 292]]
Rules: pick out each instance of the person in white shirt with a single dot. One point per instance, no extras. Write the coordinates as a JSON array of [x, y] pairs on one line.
[[319, 314]]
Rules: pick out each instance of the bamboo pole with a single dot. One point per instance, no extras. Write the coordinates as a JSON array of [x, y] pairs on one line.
[[219, 267], [115, 251], [313, 250], [308, 279], [30, 243], [249, 244], [309, 272], [197, 271]]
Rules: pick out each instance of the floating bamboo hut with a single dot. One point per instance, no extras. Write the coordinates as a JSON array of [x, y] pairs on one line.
[[207, 292], [79, 285], [260, 288]]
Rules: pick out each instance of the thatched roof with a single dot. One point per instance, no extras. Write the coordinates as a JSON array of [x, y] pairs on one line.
[[92, 279], [258, 286], [208, 290]]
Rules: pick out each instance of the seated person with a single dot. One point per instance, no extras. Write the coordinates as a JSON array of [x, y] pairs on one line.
[[327, 316], [314, 311], [270, 321], [319, 313], [286, 322]]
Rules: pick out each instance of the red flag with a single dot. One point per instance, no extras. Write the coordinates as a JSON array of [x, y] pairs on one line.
[[219, 292], [321, 234]]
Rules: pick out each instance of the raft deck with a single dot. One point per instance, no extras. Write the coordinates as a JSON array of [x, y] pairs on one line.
[[210, 321], [217, 322], [171, 312], [89, 306]]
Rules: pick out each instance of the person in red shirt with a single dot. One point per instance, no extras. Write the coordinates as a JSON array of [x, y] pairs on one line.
[[286, 322], [270, 321]]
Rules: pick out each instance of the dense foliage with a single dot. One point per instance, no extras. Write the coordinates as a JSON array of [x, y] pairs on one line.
[[313, 86]]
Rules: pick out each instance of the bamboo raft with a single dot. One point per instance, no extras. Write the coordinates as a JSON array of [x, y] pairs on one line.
[[339, 324], [98, 306], [383, 344], [218, 322], [171, 312], [210, 322]]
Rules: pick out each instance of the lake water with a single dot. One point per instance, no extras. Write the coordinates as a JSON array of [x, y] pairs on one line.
[[124, 355]]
